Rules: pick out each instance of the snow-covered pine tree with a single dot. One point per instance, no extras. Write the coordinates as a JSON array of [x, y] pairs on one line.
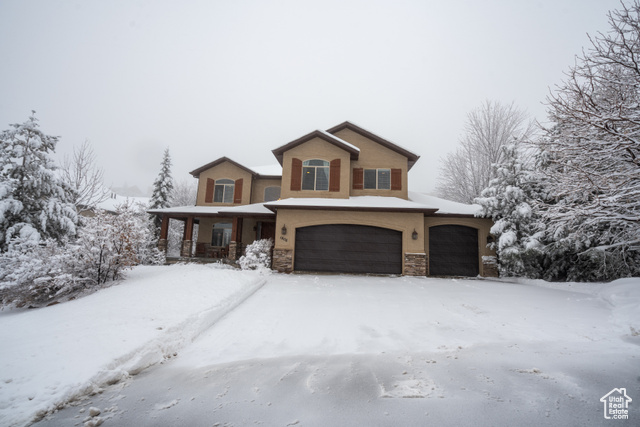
[[35, 203], [592, 158], [510, 200], [162, 189]]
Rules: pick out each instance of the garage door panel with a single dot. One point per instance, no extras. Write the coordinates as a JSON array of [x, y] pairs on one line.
[[349, 249], [453, 251]]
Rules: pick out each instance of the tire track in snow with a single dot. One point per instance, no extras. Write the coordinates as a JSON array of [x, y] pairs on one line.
[[157, 350]]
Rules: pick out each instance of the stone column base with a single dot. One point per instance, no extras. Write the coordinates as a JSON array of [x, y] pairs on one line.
[[163, 244], [415, 264], [233, 251], [185, 249], [490, 267], [282, 260]]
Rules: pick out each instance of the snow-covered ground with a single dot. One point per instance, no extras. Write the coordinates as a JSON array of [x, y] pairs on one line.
[[324, 350], [51, 355]]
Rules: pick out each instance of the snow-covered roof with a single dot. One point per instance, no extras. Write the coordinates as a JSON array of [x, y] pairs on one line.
[[417, 202], [352, 203], [268, 170], [188, 210], [342, 141], [253, 209], [444, 206]]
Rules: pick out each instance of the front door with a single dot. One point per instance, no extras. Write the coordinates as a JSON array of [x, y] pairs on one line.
[[267, 230]]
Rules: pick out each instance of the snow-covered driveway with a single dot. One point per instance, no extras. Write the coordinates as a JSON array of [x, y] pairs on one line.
[[348, 350], [323, 350]]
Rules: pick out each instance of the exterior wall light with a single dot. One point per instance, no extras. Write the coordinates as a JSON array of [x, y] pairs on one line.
[[414, 235], [284, 229]]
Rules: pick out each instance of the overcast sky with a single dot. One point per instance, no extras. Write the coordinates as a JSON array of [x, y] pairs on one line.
[[239, 78]]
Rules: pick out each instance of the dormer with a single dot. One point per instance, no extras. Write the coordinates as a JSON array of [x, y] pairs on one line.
[[317, 165]]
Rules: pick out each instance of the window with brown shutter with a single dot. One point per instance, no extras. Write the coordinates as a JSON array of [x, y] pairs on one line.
[[396, 179], [296, 174], [208, 195], [358, 178], [334, 175], [237, 193]]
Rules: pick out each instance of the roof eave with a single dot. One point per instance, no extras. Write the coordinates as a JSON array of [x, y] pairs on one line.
[[425, 211], [412, 158], [279, 152], [196, 172]]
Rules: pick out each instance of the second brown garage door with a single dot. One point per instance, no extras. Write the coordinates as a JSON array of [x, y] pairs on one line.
[[344, 248], [453, 251]]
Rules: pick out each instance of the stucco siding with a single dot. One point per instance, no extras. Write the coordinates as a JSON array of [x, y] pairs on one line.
[[375, 156], [259, 185], [222, 171], [316, 148]]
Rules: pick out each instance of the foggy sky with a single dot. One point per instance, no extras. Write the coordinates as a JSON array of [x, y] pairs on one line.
[[239, 78]]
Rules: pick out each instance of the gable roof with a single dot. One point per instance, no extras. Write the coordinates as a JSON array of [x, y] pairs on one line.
[[325, 136], [262, 171], [412, 157]]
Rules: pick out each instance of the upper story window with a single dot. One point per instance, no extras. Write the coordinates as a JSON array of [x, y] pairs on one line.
[[315, 175], [223, 192], [271, 194], [377, 179]]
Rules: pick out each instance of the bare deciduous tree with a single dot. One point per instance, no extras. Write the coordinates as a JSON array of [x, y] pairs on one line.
[[184, 193], [467, 171], [82, 174], [592, 153]]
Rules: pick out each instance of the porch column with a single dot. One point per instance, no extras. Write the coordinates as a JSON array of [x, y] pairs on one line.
[[185, 251], [164, 232], [235, 245]]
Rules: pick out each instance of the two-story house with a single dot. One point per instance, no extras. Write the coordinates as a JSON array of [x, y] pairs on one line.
[[339, 203]]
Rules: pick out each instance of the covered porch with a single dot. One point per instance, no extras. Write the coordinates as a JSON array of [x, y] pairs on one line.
[[223, 232]]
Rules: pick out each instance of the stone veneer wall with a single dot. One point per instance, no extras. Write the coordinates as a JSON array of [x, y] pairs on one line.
[[236, 250], [185, 250], [282, 260], [163, 244], [415, 264], [490, 266]]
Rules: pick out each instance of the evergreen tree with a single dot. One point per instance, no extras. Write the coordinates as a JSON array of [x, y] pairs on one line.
[[162, 189], [510, 200], [35, 203]]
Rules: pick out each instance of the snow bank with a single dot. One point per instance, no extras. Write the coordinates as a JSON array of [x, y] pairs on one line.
[[55, 354], [624, 296]]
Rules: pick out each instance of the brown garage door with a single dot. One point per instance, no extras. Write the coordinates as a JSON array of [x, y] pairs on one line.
[[343, 248], [453, 251]]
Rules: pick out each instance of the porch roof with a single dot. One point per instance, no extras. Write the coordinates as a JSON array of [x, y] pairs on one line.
[[256, 209], [358, 203]]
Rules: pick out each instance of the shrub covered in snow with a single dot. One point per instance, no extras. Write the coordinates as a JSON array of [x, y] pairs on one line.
[[36, 273], [257, 256]]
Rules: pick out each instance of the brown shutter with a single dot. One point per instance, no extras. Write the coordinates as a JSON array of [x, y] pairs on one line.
[[396, 179], [334, 175], [296, 174], [208, 196], [237, 191], [358, 178]]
